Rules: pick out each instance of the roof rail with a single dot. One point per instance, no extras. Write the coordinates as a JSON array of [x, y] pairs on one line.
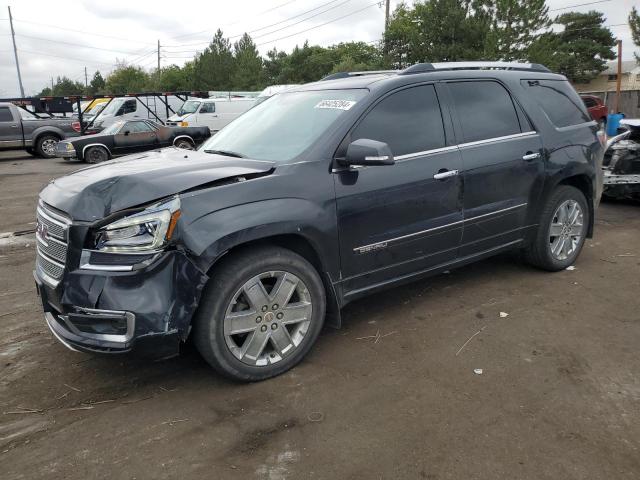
[[444, 66], [335, 76]]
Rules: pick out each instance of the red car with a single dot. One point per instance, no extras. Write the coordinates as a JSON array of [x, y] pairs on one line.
[[597, 109]]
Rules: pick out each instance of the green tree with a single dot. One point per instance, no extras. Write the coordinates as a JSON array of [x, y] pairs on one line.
[[127, 79], [580, 50], [515, 25], [173, 78], [634, 25], [356, 56], [437, 31], [247, 74], [273, 67], [214, 67], [97, 84], [63, 86]]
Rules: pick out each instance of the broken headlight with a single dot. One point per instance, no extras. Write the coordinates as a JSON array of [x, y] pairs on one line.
[[145, 231]]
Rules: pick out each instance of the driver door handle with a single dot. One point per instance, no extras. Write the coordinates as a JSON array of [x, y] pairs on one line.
[[442, 174], [530, 156]]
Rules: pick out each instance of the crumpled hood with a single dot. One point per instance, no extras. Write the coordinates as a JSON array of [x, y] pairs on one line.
[[95, 192]]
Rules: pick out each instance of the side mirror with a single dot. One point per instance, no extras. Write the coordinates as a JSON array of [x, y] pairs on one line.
[[369, 153], [127, 132]]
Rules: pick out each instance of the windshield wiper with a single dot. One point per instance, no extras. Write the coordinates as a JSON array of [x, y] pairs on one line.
[[226, 153]]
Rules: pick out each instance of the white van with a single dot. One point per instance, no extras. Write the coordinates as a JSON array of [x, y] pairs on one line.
[[271, 91], [130, 108], [214, 113]]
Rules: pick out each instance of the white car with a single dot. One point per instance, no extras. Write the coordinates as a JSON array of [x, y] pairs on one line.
[[214, 113]]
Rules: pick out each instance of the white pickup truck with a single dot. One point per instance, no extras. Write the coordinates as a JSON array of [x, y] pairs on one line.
[[214, 113]]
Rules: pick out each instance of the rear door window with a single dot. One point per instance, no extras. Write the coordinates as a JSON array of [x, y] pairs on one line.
[[409, 121], [485, 110], [5, 114], [558, 100]]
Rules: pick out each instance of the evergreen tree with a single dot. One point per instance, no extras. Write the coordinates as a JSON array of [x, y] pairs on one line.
[[248, 65], [580, 51], [634, 25], [514, 27], [213, 68], [97, 84]]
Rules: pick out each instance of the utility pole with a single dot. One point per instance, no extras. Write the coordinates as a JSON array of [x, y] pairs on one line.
[[86, 81], [15, 52], [618, 77], [385, 50], [386, 15], [158, 57], [51, 85]]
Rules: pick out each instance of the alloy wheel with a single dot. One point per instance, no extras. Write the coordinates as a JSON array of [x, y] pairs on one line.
[[566, 230], [267, 318], [49, 147]]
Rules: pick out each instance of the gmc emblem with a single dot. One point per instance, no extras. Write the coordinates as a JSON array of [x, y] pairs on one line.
[[42, 231]]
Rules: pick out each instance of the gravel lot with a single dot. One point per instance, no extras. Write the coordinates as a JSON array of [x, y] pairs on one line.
[[386, 397]]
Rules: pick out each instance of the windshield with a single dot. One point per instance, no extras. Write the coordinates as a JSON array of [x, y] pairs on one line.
[[284, 126], [190, 106], [113, 128], [113, 107]]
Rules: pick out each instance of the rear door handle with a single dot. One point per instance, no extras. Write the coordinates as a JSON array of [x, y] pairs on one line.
[[530, 156], [445, 174]]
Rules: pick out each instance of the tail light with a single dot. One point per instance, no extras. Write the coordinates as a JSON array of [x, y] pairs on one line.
[[76, 126]]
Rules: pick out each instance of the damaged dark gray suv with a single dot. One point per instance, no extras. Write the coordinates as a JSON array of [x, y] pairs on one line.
[[320, 195]]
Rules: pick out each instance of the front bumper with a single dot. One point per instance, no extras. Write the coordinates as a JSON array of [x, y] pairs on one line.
[[61, 151], [105, 311]]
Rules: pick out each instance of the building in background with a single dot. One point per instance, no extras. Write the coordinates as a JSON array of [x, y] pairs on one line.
[[604, 86]]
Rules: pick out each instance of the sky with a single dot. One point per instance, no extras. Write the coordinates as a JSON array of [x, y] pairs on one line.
[[62, 37]]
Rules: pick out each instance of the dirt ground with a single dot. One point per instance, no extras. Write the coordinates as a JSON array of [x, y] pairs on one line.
[[387, 397]]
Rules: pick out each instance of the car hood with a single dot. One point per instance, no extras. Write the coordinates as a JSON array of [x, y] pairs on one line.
[[98, 191], [95, 136], [178, 118]]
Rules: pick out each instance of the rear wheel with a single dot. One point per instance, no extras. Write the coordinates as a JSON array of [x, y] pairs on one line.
[[562, 230], [96, 155], [46, 145], [260, 314]]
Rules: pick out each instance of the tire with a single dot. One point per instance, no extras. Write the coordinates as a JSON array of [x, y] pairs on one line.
[[560, 238], [96, 155], [184, 144], [238, 355], [46, 145]]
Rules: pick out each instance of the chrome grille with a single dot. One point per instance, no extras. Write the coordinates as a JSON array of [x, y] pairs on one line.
[[52, 269], [51, 235], [53, 249]]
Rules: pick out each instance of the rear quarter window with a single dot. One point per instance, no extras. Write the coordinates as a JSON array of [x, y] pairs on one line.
[[558, 100]]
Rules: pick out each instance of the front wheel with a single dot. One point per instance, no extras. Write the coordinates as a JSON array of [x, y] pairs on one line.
[[562, 230], [260, 314], [96, 155]]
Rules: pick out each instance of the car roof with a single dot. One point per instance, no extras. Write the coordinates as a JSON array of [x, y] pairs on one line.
[[463, 71]]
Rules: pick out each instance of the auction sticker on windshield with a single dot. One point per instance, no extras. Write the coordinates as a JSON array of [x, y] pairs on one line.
[[336, 104]]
